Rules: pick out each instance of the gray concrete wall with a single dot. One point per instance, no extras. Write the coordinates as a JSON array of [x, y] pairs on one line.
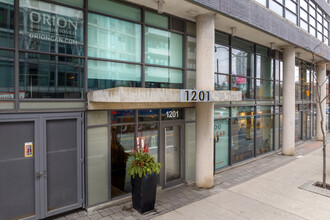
[[251, 13]]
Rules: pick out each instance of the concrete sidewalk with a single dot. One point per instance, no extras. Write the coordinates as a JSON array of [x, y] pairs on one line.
[[273, 195]]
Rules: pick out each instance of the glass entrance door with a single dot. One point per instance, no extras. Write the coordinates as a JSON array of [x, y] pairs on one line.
[[172, 151]]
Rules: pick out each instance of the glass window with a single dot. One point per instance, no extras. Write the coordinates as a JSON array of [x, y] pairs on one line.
[[261, 110], [304, 25], [221, 141], [97, 165], [242, 135], [263, 2], [290, 16], [115, 8], [221, 59], [264, 89], [264, 135], [291, 5], [77, 3], [242, 111], [190, 79], [191, 52], [242, 44], [7, 75], [312, 10], [312, 31], [163, 48], [304, 4], [47, 76], [221, 38], [148, 115], [190, 150], [245, 85], [297, 125], [51, 28], [242, 63], [156, 19], [122, 116], [191, 28], [148, 136], [157, 77], [221, 82], [264, 67], [303, 14], [122, 143], [7, 23], [275, 7], [220, 112], [312, 21], [112, 38], [104, 75]]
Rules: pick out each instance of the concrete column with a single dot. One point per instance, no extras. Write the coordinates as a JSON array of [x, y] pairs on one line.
[[288, 101], [204, 111], [320, 77]]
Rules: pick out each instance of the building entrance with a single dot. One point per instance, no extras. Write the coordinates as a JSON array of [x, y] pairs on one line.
[[40, 165], [171, 154]]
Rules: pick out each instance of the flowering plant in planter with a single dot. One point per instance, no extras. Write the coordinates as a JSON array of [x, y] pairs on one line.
[[141, 163]]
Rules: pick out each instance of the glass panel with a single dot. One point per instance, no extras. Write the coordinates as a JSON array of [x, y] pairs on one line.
[[291, 5], [157, 77], [221, 140], [148, 134], [242, 139], [122, 116], [6, 105], [51, 105], [190, 79], [304, 25], [275, 7], [104, 75], [245, 85], [191, 52], [7, 75], [242, 44], [312, 31], [190, 151], [7, 23], [304, 4], [297, 125], [115, 9], [221, 82], [97, 117], [112, 38], [262, 50], [221, 59], [51, 28], [156, 19], [47, 76], [220, 112], [163, 48], [264, 135], [263, 2], [191, 28], [264, 68], [77, 3], [242, 63], [303, 14], [264, 89], [190, 114], [277, 132], [312, 11], [97, 165], [172, 153], [290, 16], [148, 115], [222, 38], [172, 114], [242, 111], [122, 143], [264, 110]]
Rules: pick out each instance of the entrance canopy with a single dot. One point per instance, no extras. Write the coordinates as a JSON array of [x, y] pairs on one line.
[[123, 98]]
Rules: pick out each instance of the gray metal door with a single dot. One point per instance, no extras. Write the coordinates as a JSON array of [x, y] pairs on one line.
[[41, 160], [17, 168]]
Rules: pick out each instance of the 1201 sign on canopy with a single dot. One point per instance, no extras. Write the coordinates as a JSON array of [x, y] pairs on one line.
[[189, 95]]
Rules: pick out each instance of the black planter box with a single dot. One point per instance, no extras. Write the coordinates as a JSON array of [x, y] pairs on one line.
[[144, 192]]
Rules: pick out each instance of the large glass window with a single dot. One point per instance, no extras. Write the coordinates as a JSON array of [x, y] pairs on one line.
[[221, 140], [264, 135], [163, 48], [103, 75], [157, 77], [50, 28], [7, 23], [6, 74], [242, 63], [47, 76], [112, 38]]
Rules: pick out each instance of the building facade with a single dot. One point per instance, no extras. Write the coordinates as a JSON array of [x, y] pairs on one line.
[[204, 84]]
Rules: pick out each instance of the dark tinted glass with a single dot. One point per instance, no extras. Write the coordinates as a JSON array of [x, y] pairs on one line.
[[46, 76], [172, 114], [123, 116], [6, 74], [7, 23], [148, 115]]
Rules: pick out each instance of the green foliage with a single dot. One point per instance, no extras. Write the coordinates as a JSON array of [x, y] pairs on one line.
[[141, 163]]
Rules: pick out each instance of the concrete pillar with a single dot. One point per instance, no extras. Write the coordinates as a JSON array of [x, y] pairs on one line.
[[320, 77], [204, 111], [288, 101]]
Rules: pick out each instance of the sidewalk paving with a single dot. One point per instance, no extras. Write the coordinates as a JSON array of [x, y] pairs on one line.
[[265, 188]]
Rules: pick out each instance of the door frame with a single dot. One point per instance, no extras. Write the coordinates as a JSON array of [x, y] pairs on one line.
[[162, 154]]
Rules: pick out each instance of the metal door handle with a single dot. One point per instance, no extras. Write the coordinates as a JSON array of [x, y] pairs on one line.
[[39, 174]]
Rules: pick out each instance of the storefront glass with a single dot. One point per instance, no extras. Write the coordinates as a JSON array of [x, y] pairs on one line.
[[221, 141], [7, 23], [264, 135], [6, 74]]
